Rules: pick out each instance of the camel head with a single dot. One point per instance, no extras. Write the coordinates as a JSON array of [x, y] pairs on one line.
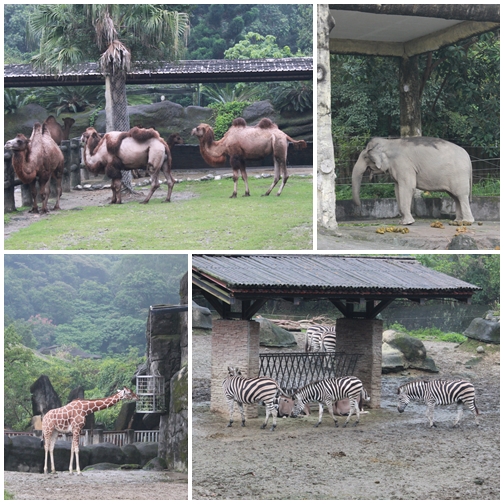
[[90, 138], [19, 143], [203, 132], [174, 139]]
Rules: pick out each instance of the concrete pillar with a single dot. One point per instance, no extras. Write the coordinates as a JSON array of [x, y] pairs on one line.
[[357, 336], [234, 343]]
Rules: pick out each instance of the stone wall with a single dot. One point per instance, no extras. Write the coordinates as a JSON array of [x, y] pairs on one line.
[[234, 343]]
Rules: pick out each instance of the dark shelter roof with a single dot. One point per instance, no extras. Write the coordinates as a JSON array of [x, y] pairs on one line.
[[181, 72], [341, 279]]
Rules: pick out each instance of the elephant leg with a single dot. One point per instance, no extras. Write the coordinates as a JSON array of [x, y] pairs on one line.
[[465, 209], [404, 196]]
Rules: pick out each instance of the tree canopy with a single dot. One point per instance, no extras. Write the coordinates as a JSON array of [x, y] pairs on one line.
[[98, 303]]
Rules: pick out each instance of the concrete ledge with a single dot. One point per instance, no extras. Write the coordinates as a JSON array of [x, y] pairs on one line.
[[483, 209]]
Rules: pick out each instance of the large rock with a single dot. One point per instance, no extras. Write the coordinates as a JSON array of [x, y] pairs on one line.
[[132, 454], [201, 317], [43, 396], [106, 452], [462, 242], [23, 119], [403, 350], [484, 329], [273, 336], [147, 451]]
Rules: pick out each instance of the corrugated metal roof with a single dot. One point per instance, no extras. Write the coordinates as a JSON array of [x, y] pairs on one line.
[[326, 272], [184, 71]]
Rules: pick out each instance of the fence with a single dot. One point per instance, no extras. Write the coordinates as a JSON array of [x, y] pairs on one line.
[[96, 436], [296, 369]]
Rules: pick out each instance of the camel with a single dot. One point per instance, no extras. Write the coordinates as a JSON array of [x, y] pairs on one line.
[[172, 140], [38, 159], [58, 132], [242, 142], [128, 150]]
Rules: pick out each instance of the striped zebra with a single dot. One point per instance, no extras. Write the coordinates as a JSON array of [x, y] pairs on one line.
[[440, 392], [314, 336], [328, 391], [249, 391]]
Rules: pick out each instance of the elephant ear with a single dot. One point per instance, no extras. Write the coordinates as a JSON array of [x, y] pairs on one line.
[[378, 157]]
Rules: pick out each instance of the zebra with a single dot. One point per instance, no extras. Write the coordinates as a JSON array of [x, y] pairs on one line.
[[440, 392], [262, 390], [314, 335], [328, 391], [328, 342]]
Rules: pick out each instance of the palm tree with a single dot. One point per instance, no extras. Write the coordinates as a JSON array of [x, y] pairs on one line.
[[117, 35]]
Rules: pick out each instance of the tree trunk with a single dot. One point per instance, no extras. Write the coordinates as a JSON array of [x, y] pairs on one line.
[[409, 97], [326, 196]]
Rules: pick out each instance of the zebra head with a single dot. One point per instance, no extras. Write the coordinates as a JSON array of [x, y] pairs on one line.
[[298, 406], [403, 400], [234, 371]]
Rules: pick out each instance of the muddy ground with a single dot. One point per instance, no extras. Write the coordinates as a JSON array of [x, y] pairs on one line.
[[387, 456], [97, 485]]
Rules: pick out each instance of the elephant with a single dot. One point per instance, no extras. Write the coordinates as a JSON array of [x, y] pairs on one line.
[[429, 164]]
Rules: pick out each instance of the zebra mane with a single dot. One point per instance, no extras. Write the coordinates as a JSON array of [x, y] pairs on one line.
[[420, 380]]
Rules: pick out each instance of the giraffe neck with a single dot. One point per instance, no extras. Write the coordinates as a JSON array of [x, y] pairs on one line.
[[101, 404]]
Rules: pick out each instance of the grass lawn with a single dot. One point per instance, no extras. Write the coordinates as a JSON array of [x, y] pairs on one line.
[[208, 221]]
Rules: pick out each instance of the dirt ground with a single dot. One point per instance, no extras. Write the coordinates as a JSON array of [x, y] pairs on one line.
[[362, 235], [97, 485], [387, 456]]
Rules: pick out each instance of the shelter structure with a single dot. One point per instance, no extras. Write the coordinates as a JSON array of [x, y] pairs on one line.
[[360, 287]]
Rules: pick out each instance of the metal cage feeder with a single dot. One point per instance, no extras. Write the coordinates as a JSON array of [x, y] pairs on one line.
[[151, 394]]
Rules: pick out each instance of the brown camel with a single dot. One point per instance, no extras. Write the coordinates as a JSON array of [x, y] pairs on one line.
[[242, 142], [37, 160], [58, 132], [128, 150]]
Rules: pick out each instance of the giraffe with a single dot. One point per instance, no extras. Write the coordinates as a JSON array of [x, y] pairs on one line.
[[71, 418]]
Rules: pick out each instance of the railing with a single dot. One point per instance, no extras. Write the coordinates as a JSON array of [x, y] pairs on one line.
[[89, 437], [296, 369]]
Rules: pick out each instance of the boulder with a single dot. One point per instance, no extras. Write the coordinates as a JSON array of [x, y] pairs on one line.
[[201, 317], [106, 452], [484, 329], [125, 418], [43, 396], [103, 466], [147, 451], [23, 119], [271, 335], [156, 464], [24, 454], [132, 454], [462, 242], [400, 351]]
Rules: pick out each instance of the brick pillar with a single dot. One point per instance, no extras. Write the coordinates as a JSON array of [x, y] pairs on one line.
[[363, 337], [234, 343]]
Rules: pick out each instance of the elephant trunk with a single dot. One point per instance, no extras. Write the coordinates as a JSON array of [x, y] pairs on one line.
[[357, 174]]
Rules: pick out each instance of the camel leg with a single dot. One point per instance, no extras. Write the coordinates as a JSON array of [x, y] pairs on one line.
[[33, 192], [280, 166], [116, 191], [59, 190], [169, 179], [154, 184], [238, 164], [45, 187]]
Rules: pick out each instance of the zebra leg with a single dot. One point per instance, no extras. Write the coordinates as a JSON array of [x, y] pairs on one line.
[[430, 415], [231, 409], [330, 407], [459, 415], [240, 405], [354, 408], [320, 411], [263, 426]]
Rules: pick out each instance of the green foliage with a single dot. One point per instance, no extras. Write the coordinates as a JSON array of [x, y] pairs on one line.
[[100, 378], [225, 113], [96, 303], [228, 93], [255, 46], [480, 270], [293, 96], [71, 99], [15, 99], [429, 334]]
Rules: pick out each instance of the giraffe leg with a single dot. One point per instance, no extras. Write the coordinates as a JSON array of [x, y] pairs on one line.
[[52, 442], [46, 449]]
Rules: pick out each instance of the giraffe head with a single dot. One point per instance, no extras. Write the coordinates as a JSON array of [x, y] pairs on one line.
[[127, 394]]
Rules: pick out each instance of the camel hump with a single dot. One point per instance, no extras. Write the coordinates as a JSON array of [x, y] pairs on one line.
[[114, 144], [142, 134], [266, 123], [239, 122]]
